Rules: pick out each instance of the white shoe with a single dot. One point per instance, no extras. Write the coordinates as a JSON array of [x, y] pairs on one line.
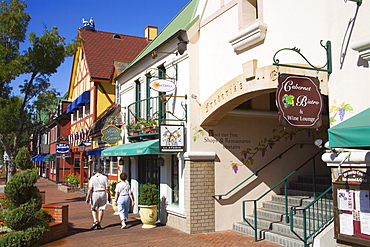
[[123, 224]]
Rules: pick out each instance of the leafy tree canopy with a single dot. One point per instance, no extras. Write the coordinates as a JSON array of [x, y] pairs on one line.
[[18, 114]]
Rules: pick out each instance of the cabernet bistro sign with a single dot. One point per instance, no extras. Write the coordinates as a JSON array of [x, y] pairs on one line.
[[299, 101]]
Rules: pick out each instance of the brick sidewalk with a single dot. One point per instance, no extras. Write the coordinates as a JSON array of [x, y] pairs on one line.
[[80, 220]]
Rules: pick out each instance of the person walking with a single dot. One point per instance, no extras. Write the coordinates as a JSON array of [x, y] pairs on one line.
[[98, 195], [123, 198]]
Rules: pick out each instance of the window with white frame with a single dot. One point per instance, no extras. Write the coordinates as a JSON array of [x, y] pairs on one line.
[[74, 116], [107, 165], [114, 163], [80, 113], [87, 109], [249, 12]]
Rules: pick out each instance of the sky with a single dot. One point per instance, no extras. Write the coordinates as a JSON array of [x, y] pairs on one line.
[[119, 16]]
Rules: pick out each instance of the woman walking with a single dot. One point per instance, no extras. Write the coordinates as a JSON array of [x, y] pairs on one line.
[[123, 198]]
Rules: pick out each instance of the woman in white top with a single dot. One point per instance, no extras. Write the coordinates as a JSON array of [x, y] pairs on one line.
[[123, 197]]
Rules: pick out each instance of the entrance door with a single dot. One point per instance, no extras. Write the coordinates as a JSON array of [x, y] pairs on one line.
[[149, 172], [149, 169]]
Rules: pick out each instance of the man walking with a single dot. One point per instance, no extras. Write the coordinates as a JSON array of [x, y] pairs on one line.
[[98, 195]]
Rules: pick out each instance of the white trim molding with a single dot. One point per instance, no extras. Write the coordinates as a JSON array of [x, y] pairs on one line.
[[199, 156], [347, 159], [250, 36], [363, 47]]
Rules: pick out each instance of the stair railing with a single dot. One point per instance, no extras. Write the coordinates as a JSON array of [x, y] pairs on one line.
[[260, 169], [315, 215], [285, 181]]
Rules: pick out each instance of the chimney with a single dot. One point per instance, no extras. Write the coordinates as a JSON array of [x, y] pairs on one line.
[[150, 32]]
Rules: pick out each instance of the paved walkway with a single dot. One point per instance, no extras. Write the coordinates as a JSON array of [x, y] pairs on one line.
[[80, 235]]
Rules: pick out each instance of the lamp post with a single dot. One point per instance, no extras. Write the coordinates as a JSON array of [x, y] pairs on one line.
[[82, 147]]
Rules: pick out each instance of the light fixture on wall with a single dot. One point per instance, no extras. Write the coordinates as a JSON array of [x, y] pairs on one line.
[[193, 96], [181, 48]]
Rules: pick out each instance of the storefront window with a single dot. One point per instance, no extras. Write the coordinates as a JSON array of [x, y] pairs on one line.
[[107, 165], [76, 162], [87, 109], [175, 180], [114, 165]]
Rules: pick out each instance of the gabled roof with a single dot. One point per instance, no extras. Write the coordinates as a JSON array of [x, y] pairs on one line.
[[182, 21], [102, 48]]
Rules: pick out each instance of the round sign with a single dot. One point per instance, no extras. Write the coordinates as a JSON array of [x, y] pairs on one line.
[[162, 85]]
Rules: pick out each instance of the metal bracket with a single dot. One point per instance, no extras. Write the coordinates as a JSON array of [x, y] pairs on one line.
[[147, 72], [328, 64], [359, 2]]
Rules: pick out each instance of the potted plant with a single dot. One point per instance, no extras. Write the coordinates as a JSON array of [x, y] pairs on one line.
[[133, 128], [148, 203], [150, 125], [113, 196]]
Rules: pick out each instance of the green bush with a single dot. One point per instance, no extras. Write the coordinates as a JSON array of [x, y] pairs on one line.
[[24, 214], [113, 186], [23, 159], [148, 195], [72, 179]]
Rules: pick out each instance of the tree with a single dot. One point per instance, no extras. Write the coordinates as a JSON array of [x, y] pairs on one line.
[[23, 159], [24, 215], [42, 58]]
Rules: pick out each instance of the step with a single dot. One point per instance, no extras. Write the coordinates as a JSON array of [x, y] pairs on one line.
[[307, 186], [319, 179], [273, 216], [280, 207], [278, 227], [296, 192], [299, 200], [269, 235]]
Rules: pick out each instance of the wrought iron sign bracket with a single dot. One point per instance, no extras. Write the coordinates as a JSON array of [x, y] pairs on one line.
[[359, 2], [147, 72], [327, 67]]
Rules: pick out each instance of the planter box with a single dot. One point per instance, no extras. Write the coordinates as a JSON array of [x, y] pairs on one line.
[[68, 189], [59, 226]]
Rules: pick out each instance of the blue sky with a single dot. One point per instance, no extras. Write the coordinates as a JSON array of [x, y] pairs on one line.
[[120, 16]]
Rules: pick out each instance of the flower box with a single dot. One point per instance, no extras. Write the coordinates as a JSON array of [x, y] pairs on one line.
[[68, 188]]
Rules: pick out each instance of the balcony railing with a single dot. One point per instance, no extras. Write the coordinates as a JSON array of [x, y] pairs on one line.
[[148, 113]]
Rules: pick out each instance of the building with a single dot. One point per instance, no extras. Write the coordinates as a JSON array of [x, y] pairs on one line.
[[92, 90], [240, 145]]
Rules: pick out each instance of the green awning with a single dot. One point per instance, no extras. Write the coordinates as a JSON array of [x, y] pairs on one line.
[[50, 157], [131, 149], [352, 133]]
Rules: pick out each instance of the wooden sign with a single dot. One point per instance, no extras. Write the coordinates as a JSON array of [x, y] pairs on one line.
[[299, 101], [111, 134]]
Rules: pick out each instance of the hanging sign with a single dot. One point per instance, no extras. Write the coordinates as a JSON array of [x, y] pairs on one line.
[[62, 148], [111, 134], [299, 101], [162, 85], [171, 138]]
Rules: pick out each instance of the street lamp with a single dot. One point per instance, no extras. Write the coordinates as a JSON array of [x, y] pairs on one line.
[[81, 148]]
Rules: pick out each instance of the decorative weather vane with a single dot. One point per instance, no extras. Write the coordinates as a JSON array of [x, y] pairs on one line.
[[89, 24]]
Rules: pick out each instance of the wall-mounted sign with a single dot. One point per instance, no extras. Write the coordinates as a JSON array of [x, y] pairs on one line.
[[171, 138], [299, 101], [162, 85], [62, 148], [111, 134]]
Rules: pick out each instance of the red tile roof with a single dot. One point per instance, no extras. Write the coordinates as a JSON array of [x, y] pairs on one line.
[[102, 48]]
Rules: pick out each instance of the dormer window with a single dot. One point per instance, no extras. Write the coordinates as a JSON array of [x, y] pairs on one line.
[[116, 36]]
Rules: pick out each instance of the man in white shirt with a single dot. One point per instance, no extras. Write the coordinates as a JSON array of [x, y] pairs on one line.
[[98, 195]]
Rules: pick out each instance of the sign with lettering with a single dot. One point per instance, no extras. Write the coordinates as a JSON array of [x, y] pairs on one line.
[[299, 101], [62, 148], [161, 85], [111, 134], [171, 138], [354, 177]]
